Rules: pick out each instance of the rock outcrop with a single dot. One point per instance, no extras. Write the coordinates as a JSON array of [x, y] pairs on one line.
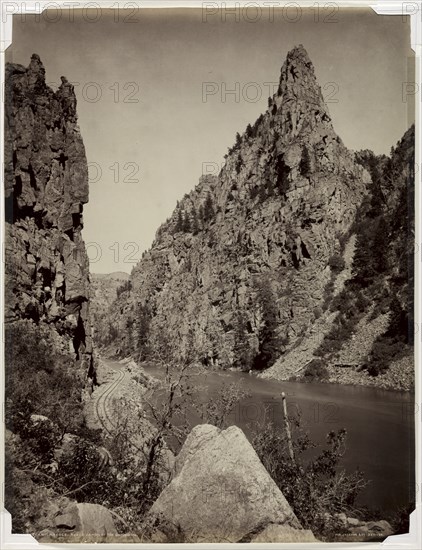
[[46, 186], [221, 492], [287, 193]]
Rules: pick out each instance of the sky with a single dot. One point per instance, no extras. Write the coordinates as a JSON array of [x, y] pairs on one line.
[[154, 102]]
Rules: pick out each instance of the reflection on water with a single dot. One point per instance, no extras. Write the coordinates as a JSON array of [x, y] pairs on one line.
[[379, 423]]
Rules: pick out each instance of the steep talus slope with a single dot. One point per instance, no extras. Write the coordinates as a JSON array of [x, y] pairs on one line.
[[46, 185], [243, 260], [376, 305]]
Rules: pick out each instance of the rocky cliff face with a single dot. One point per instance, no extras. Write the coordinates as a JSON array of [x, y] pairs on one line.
[[46, 185], [366, 330], [249, 248], [105, 289]]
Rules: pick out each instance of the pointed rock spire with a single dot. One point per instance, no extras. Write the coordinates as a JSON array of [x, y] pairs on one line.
[[299, 101], [298, 75], [67, 97], [36, 74]]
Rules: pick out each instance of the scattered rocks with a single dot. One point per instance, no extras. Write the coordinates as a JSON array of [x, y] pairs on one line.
[[284, 533], [356, 530], [371, 531], [399, 376]]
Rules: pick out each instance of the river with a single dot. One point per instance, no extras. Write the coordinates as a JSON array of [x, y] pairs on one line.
[[379, 424]]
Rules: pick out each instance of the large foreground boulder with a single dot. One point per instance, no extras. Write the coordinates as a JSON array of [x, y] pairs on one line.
[[220, 492]]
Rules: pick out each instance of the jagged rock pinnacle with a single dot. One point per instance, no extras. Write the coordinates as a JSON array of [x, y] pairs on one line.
[[299, 51], [299, 101], [36, 73], [298, 75], [37, 194]]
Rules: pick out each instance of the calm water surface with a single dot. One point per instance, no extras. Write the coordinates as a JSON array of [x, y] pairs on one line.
[[379, 424]]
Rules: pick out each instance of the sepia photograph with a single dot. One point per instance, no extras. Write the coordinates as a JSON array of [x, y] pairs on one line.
[[209, 273]]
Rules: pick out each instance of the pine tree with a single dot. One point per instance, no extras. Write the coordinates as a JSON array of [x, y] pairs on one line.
[[201, 214], [381, 238], [195, 224], [144, 321], [269, 342], [209, 212], [186, 223], [241, 347], [238, 140], [179, 223]]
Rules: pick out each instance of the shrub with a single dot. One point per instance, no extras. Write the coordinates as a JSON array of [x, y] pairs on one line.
[[383, 351], [315, 370], [218, 410], [254, 192], [124, 287], [24, 499], [328, 295], [316, 489], [362, 302], [317, 312], [336, 263], [39, 381], [80, 465], [399, 519]]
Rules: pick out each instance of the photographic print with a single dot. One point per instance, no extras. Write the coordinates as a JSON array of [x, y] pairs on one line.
[[209, 274]]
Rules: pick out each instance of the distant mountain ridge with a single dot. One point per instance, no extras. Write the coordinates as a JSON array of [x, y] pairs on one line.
[[115, 275]]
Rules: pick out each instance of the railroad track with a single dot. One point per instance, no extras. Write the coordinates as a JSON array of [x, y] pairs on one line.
[[101, 402], [101, 405]]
